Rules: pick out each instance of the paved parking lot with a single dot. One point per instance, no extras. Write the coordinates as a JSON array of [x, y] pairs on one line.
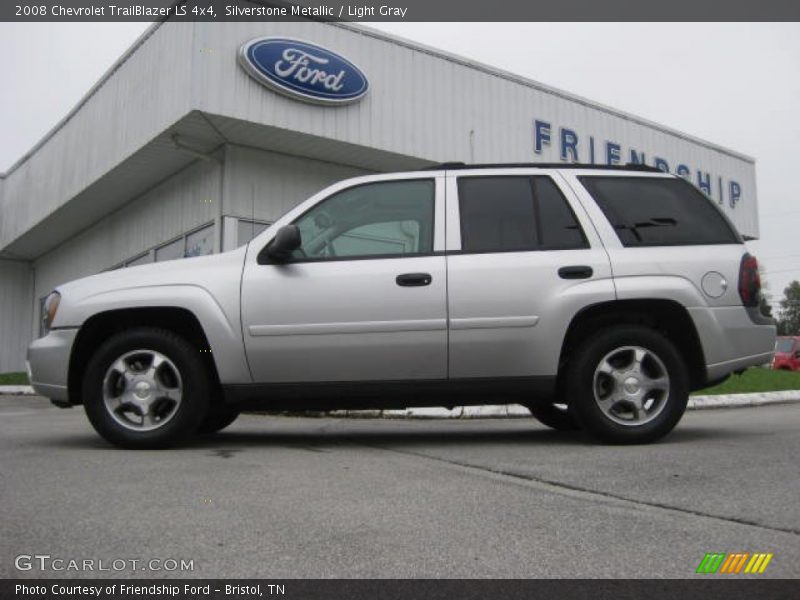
[[302, 497]]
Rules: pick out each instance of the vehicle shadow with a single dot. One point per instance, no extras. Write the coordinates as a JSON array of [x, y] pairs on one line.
[[428, 437], [319, 436], [328, 434], [443, 436]]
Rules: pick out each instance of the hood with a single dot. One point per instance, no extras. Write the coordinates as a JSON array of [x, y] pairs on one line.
[[218, 274]]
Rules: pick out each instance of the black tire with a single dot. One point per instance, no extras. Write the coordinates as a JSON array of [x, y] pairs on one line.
[[217, 419], [554, 416], [192, 391], [588, 386]]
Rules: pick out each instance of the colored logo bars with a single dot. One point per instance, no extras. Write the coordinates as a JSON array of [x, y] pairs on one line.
[[734, 563]]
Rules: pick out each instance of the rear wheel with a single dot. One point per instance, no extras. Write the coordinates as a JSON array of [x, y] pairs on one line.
[[555, 416], [628, 384], [146, 388]]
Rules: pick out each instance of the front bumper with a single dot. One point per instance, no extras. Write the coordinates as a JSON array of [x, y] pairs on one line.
[[48, 363]]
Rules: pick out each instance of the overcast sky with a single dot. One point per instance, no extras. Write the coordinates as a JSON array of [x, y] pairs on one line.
[[737, 85]]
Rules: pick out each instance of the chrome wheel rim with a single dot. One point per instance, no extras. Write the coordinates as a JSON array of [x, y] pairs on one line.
[[631, 385], [142, 390]]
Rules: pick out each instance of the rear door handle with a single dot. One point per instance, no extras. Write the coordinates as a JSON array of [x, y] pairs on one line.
[[575, 272], [413, 279]]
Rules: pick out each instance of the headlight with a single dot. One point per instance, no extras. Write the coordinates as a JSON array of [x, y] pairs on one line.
[[49, 311]]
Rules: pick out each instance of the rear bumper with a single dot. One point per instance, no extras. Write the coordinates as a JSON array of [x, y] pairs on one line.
[[48, 363], [732, 339], [719, 370]]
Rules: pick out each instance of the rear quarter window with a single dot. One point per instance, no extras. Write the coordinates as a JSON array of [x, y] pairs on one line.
[[650, 211]]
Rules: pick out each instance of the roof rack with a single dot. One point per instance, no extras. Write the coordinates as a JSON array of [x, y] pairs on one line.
[[460, 166]]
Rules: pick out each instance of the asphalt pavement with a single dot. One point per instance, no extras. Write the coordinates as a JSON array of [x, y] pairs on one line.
[[285, 497]]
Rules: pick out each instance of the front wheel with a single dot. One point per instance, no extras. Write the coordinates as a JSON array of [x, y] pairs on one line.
[[146, 388], [627, 384]]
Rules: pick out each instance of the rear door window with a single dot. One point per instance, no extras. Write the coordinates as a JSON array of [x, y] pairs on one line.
[[515, 213], [650, 211]]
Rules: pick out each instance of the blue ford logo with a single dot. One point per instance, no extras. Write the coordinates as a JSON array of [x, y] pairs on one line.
[[303, 70]]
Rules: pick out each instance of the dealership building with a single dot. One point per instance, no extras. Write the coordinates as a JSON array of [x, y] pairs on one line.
[[204, 133]]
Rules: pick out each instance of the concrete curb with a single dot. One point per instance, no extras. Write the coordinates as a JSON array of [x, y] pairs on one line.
[[516, 410], [513, 410], [731, 400], [16, 390]]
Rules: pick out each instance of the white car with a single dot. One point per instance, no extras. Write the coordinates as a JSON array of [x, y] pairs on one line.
[[597, 296]]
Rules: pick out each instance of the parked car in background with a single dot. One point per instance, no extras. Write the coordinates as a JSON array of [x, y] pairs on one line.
[[787, 354]]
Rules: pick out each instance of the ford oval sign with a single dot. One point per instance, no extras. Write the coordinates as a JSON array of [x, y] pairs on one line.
[[303, 70]]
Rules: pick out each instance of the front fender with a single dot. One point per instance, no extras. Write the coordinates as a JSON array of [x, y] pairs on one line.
[[221, 325]]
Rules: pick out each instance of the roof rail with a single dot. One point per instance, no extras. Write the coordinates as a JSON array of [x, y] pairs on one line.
[[459, 166]]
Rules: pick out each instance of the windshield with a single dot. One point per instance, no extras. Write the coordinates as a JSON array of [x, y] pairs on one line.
[[784, 346]]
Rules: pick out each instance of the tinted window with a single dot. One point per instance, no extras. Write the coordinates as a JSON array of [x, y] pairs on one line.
[[496, 214], [507, 213], [393, 218], [559, 228], [784, 346], [393, 237], [659, 212]]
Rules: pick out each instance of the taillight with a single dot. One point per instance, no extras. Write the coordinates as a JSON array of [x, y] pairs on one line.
[[749, 281]]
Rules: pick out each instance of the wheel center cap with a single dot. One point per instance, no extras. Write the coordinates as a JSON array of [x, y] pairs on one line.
[[142, 389], [631, 385]]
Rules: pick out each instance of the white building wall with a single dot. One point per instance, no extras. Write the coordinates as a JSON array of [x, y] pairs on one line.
[[143, 95], [263, 185], [16, 313], [424, 104], [185, 201]]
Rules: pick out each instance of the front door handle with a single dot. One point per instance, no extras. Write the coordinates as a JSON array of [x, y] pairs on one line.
[[413, 279], [575, 272]]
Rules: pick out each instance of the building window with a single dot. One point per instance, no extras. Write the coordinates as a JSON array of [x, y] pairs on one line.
[[171, 251], [199, 242], [41, 315], [195, 243], [142, 259], [246, 230]]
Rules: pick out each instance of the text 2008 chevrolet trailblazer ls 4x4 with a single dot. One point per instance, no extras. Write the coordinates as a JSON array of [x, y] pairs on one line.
[[597, 297]]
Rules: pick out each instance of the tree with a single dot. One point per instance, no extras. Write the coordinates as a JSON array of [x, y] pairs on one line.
[[789, 322], [765, 307], [765, 301]]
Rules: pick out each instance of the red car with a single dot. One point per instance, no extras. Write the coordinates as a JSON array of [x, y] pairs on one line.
[[787, 354]]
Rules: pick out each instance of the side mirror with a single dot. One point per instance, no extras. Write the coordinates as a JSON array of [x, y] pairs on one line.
[[286, 241]]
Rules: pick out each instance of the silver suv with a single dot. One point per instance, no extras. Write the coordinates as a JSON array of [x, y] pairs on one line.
[[597, 297]]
